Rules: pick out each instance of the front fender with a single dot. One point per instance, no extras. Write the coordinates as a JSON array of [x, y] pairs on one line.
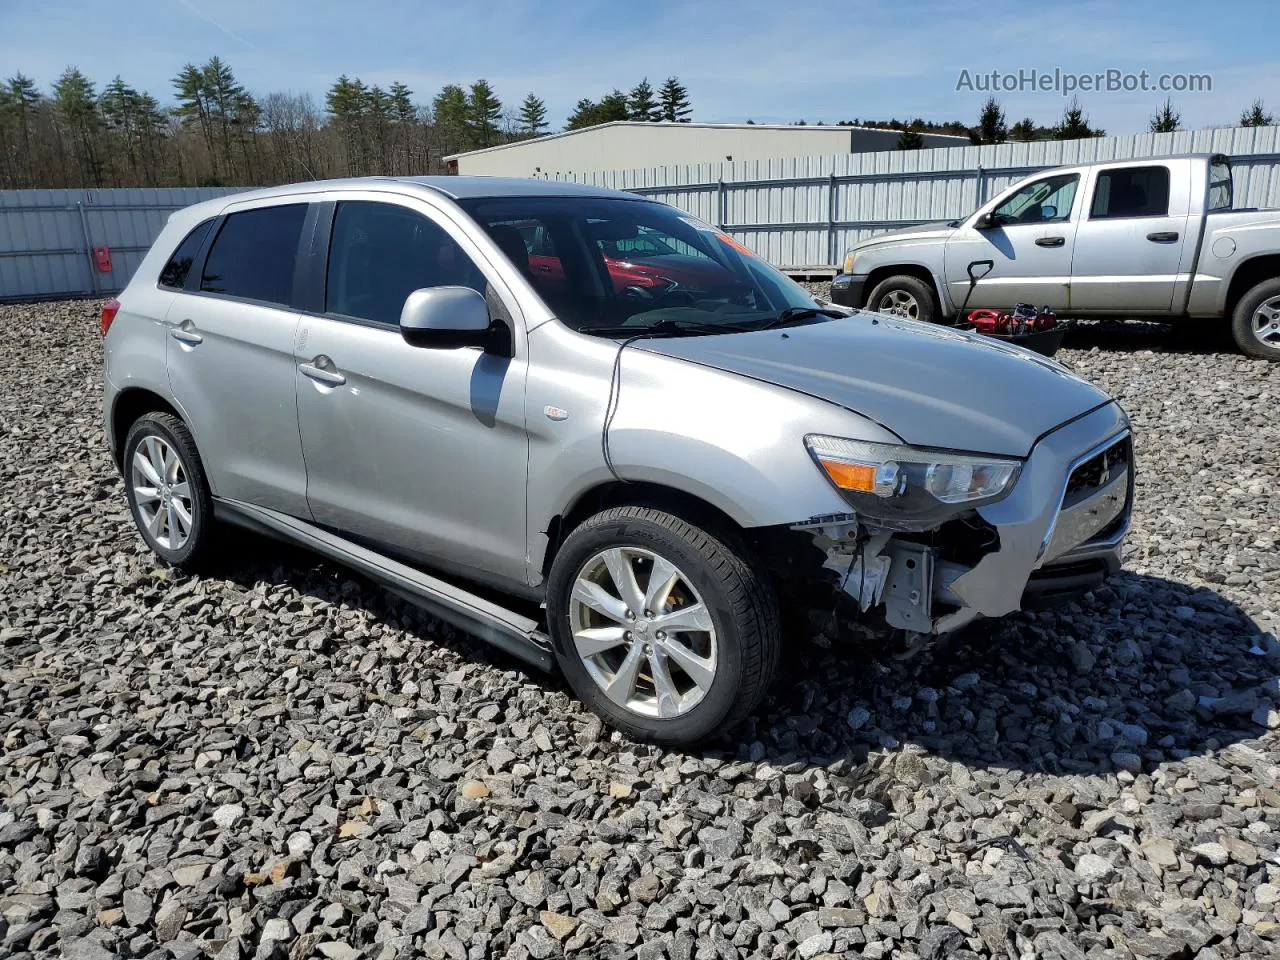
[[735, 442]]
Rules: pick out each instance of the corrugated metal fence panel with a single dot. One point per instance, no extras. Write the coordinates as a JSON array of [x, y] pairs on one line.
[[797, 211], [46, 236], [804, 211]]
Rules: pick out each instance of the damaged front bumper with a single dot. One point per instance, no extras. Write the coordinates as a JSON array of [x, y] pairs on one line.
[[1058, 534]]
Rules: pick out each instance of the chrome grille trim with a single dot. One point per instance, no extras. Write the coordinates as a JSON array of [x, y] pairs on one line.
[[1082, 492]]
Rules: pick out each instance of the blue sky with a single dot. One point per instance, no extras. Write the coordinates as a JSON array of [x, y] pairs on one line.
[[771, 62]]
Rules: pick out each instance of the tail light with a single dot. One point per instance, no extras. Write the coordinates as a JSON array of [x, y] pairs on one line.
[[109, 311]]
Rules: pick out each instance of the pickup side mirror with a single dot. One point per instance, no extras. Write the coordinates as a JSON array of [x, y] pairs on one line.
[[446, 318]]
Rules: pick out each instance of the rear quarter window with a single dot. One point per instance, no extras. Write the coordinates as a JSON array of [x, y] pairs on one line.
[[255, 254], [174, 274]]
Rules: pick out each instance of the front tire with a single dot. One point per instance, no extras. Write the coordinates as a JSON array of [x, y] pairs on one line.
[[907, 297], [660, 626], [1255, 323], [168, 494]]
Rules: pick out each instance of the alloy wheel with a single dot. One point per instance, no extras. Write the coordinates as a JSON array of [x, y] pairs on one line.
[[1266, 323], [899, 303], [161, 492], [651, 649]]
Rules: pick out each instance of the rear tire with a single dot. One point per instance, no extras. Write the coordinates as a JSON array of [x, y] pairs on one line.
[[703, 674], [168, 494], [1255, 322], [905, 296]]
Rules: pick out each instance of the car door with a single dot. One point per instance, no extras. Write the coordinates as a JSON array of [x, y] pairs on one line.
[[419, 451], [1029, 235], [1132, 246], [230, 354]]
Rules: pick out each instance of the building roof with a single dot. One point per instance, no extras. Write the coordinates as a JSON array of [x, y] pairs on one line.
[[651, 125]]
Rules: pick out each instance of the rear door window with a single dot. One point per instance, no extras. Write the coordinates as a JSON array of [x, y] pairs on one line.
[[379, 253], [255, 254], [174, 274], [1131, 192]]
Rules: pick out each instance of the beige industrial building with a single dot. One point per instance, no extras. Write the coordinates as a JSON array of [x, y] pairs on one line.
[[629, 145]]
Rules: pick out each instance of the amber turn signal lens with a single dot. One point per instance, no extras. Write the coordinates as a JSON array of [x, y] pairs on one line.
[[851, 476]]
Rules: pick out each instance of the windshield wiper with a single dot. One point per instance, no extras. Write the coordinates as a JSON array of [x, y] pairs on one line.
[[798, 315], [667, 328]]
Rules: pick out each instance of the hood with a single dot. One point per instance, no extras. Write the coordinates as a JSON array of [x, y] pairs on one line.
[[932, 386], [939, 229]]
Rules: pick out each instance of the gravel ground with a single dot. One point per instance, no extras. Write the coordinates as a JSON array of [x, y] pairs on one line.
[[284, 761]]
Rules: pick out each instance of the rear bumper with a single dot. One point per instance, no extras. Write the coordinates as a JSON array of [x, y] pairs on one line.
[[848, 290]]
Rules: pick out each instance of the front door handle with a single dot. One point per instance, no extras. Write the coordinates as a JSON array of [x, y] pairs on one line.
[[186, 334], [1051, 242], [322, 374], [1166, 236]]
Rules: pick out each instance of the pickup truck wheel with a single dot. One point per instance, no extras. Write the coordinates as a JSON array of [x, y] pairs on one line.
[[904, 296], [661, 627], [1255, 325], [167, 491]]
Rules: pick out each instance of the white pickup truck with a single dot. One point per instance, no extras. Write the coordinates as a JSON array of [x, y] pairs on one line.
[[1134, 238]]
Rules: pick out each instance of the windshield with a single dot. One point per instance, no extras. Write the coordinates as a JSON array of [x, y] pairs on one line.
[[607, 266]]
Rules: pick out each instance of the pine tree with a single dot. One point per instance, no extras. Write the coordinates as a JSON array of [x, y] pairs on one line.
[[1024, 130], [533, 116], [1074, 125], [347, 101], [641, 104], [991, 126], [450, 110], [1256, 116], [910, 140], [226, 101], [613, 106], [584, 114], [673, 101], [75, 103], [484, 110], [1166, 119], [20, 100], [404, 118], [193, 107]]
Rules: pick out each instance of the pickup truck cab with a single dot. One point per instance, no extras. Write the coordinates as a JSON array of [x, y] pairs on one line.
[[1133, 238]]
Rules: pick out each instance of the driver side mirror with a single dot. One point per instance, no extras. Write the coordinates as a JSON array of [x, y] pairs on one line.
[[446, 318], [984, 222]]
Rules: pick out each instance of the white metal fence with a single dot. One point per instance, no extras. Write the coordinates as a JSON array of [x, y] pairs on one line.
[[805, 211], [799, 213], [47, 237]]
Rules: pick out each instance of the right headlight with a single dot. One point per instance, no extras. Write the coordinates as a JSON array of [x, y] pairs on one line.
[[909, 488]]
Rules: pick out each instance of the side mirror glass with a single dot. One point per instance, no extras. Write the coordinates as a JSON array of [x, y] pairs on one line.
[[445, 318], [1048, 212]]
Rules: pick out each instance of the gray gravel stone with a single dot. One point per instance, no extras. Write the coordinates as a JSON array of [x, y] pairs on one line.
[[278, 759]]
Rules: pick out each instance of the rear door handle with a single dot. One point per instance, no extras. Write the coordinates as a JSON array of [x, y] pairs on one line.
[[1168, 236], [185, 334], [1051, 241], [330, 378]]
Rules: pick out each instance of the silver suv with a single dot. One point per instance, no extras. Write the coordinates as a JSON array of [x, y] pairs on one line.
[[597, 432]]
